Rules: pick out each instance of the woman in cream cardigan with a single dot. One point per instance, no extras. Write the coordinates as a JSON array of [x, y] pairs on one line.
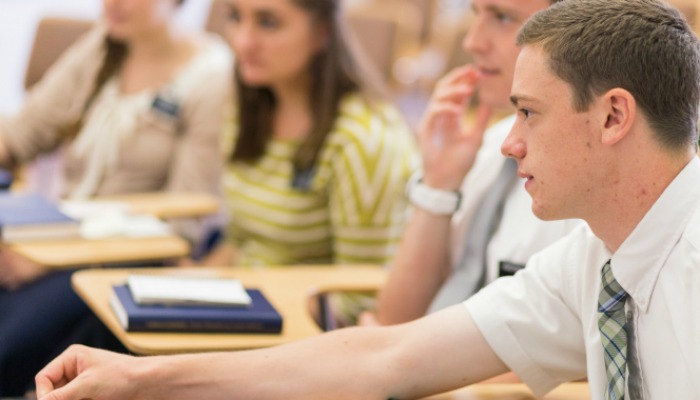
[[136, 105]]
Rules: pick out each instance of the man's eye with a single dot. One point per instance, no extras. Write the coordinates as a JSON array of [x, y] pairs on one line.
[[504, 18]]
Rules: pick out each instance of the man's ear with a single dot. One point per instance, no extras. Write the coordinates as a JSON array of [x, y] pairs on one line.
[[621, 109]]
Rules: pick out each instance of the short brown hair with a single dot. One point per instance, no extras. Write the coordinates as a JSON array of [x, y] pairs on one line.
[[643, 46]]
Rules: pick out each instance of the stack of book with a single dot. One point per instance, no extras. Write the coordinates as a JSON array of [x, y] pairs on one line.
[[185, 304], [31, 217]]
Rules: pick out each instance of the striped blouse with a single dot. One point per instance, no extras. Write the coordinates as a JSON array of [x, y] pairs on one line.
[[353, 210]]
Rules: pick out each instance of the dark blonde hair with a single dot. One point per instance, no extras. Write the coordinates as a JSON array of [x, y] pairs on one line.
[[337, 71], [643, 46]]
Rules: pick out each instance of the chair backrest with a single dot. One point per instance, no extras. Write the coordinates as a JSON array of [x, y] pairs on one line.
[[53, 36], [376, 37], [387, 30], [216, 20], [427, 9]]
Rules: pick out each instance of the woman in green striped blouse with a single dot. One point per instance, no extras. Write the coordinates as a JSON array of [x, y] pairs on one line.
[[318, 162]]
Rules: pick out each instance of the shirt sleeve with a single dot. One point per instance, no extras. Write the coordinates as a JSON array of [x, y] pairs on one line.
[[373, 158], [56, 102], [197, 165], [531, 322]]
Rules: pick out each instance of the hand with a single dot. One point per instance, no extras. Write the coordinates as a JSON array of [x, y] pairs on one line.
[[447, 146], [85, 373], [16, 270]]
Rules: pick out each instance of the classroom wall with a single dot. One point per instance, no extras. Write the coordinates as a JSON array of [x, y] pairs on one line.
[[18, 21]]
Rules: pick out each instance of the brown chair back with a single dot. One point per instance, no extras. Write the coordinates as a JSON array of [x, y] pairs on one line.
[[53, 36], [376, 37], [216, 21]]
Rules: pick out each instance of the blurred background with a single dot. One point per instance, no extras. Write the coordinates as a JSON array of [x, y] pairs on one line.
[[18, 23], [411, 42], [400, 37]]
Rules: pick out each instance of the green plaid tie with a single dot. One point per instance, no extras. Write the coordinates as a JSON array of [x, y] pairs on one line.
[[613, 335]]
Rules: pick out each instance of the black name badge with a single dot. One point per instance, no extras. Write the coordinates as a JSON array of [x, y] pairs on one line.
[[166, 107], [507, 268], [302, 179]]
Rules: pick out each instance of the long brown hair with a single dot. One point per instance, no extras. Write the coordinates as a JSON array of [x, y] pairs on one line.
[[338, 70]]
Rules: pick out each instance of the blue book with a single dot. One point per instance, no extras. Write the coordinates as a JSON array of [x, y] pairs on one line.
[[32, 217], [259, 317]]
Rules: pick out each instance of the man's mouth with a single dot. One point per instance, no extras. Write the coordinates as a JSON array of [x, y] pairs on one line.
[[524, 175]]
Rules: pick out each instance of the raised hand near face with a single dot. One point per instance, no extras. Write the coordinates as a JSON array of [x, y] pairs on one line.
[[449, 145]]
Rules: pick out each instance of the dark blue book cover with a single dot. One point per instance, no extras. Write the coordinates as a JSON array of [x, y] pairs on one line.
[[31, 217], [260, 317]]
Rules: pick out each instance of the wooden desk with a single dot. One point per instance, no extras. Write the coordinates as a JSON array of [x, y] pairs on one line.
[[287, 288], [167, 204], [61, 254], [515, 391], [69, 253]]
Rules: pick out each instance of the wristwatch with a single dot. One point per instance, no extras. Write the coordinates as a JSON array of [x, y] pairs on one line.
[[435, 201]]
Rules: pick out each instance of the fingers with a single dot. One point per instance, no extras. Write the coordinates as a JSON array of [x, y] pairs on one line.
[[68, 392], [449, 100], [481, 121], [57, 374], [441, 119], [457, 93], [459, 85], [477, 129], [467, 74]]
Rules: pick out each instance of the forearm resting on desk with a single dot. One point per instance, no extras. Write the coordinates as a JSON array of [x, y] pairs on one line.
[[404, 361]]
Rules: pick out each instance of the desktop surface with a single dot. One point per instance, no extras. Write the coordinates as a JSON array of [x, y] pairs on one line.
[[288, 288]]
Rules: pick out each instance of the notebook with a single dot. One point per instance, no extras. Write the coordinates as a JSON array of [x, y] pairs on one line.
[[27, 217], [180, 290]]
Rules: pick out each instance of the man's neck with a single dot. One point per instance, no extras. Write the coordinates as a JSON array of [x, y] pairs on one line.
[[631, 191]]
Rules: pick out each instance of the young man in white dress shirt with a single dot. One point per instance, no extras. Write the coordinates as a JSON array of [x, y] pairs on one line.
[[607, 95]]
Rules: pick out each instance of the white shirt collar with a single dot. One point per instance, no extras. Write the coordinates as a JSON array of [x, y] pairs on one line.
[[637, 263]]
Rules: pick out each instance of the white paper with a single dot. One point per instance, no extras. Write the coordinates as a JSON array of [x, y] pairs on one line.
[[149, 289], [106, 219]]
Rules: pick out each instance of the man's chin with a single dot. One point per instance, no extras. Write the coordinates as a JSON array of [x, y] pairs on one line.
[[544, 214]]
